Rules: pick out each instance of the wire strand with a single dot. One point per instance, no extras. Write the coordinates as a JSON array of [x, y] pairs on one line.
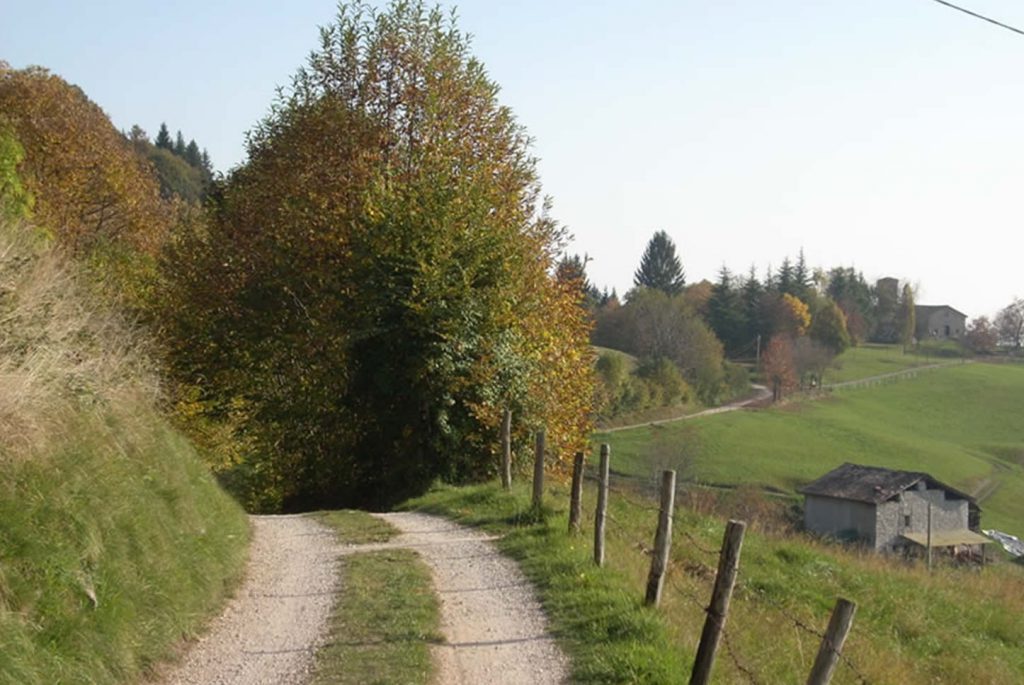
[[980, 16]]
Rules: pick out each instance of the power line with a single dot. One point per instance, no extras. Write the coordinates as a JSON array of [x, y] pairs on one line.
[[980, 16]]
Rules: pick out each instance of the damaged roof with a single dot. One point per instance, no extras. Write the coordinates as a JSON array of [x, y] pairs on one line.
[[872, 484]]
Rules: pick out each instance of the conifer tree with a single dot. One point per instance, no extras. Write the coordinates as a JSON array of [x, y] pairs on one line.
[[192, 155], [179, 145], [660, 267], [163, 138]]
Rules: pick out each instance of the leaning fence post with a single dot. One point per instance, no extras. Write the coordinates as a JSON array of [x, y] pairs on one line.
[[538, 472], [602, 505], [662, 539], [714, 623], [506, 450], [832, 643], [576, 498]]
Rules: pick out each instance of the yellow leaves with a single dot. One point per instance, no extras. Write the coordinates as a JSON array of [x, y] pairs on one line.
[[797, 315]]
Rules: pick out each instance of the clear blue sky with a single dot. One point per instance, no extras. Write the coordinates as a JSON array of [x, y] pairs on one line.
[[883, 134]]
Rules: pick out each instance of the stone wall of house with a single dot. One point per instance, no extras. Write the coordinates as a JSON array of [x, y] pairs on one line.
[[840, 518], [940, 321], [892, 517]]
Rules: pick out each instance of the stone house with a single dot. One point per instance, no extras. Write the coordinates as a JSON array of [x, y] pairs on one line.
[[938, 322], [889, 510]]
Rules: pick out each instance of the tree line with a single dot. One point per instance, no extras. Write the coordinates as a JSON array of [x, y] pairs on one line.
[[350, 312]]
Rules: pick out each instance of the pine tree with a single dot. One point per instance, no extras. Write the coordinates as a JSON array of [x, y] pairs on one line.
[[660, 268], [179, 145], [163, 138], [750, 297], [192, 155], [801, 277], [725, 313], [786, 278]]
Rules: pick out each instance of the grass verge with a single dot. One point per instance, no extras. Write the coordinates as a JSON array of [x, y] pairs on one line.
[[386, 616], [912, 627], [594, 613]]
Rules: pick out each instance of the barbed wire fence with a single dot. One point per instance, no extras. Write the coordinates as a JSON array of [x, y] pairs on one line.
[[703, 572]]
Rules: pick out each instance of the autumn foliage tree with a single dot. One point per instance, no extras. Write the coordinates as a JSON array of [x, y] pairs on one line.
[[778, 367], [377, 284], [90, 187]]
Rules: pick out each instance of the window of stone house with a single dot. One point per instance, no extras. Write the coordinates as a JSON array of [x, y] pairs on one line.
[[906, 520]]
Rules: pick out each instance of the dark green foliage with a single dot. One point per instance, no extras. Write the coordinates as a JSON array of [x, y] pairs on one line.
[[653, 325], [572, 269], [177, 178], [828, 327], [727, 315], [366, 304], [179, 145], [193, 156], [163, 138], [856, 298], [660, 267]]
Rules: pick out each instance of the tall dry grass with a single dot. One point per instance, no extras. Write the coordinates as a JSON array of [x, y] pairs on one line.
[[61, 350]]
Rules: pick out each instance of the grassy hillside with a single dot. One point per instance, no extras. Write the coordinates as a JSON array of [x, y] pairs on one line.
[[874, 360], [960, 423], [954, 625], [115, 541]]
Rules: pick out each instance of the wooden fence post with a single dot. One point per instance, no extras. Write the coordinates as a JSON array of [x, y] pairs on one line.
[[832, 643], [662, 539], [506, 450], [602, 505], [538, 472], [576, 499], [714, 623]]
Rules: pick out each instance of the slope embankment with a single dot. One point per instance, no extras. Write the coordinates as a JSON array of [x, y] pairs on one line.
[[115, 541]]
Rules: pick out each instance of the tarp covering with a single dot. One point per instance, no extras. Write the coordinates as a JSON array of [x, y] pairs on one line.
[[1011, 543], [948, 538]]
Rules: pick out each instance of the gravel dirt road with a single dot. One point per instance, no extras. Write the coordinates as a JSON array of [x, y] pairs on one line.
[[494, 628], [270, 631]]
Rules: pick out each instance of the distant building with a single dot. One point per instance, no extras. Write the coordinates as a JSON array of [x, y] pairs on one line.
[[939, 322], [888, 510]]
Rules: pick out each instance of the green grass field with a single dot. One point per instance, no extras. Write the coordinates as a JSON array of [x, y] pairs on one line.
[[961, 424], [874, 360]]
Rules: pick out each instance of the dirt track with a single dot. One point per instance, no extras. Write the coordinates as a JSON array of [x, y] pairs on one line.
[[268, 635]]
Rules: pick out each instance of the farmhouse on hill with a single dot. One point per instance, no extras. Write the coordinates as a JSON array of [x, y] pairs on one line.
[[889, 510], [938, 322]]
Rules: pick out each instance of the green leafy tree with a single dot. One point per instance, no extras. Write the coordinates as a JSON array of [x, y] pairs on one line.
[[828, 328], [15, 201], [377, 284], [660, 267]]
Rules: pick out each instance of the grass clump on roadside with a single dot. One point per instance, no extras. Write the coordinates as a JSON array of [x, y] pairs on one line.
[[384, 622], [115, 541]]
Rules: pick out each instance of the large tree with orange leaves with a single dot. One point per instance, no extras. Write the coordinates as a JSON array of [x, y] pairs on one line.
[[376, 285]]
